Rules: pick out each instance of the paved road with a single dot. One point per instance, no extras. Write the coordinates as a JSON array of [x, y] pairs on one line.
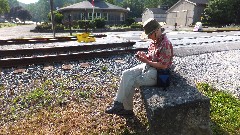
[[22, 31]]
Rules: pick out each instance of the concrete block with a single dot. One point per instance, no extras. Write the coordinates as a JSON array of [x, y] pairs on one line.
[[180, 110]]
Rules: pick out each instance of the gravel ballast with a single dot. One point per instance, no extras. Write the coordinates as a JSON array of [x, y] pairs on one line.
[[100, 77], [220, 69]]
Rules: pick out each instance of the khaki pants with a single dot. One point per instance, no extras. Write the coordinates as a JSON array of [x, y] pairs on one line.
[[132, 78]]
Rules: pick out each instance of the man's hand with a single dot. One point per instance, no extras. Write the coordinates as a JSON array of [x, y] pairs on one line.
[[141, 56]]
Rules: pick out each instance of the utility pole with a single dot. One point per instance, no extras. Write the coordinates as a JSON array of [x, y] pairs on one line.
[[70, 23], [52, 18]]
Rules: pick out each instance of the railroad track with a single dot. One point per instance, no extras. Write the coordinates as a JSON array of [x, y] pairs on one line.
[[43, 40], [4, 53], [37, 40], [62, 56]]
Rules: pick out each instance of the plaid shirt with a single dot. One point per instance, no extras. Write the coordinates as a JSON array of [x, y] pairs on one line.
[[161, 51]]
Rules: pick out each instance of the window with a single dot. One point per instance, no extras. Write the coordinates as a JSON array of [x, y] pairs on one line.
[[82, 16], [105, 16], [89, 16], [121, 17], [175, 14], [97, 15]]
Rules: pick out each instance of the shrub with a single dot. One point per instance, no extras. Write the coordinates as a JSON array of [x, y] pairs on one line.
[[100, 22], [86, 23], [75, 24], [59, 27], [44, 26], [129, 21], [136, 25]]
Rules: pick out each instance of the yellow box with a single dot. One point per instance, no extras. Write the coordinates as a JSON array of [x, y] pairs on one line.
[[84, 37]]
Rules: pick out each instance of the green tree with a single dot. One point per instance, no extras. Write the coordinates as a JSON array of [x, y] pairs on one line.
[[13, 3], [156, 3], [32, 9], [43, 8], [234, 13], [24, 15], [58, 17], [111, 1], [168, 2], [13, 13], [19, 12], [40, 10], [136, 7], [219, 9], [59, 3], [152, 3], [4, 6]]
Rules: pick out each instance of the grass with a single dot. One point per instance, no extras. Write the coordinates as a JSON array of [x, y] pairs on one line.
[[225, 111], [53, 107], [2, 25]]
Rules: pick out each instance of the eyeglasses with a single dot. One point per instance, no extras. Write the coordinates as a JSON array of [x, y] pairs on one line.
[[149, 35]]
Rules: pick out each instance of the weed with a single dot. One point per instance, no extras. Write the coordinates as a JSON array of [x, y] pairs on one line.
[[225, 110], [82, 94], [104, 68], [2, 88], [50, 102]]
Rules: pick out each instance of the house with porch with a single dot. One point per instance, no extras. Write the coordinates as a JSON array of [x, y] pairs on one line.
[[186, 12], [86, 11]]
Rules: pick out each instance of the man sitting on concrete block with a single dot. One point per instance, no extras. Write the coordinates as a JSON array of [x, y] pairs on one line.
[[159, 57]]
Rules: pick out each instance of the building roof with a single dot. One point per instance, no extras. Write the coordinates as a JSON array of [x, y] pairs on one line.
[[158, 10], [98, 4], [195, 2]]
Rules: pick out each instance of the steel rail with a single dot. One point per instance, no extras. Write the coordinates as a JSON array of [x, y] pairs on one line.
[[15, 62], [37, 40], [44, 40], [4, 53]]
